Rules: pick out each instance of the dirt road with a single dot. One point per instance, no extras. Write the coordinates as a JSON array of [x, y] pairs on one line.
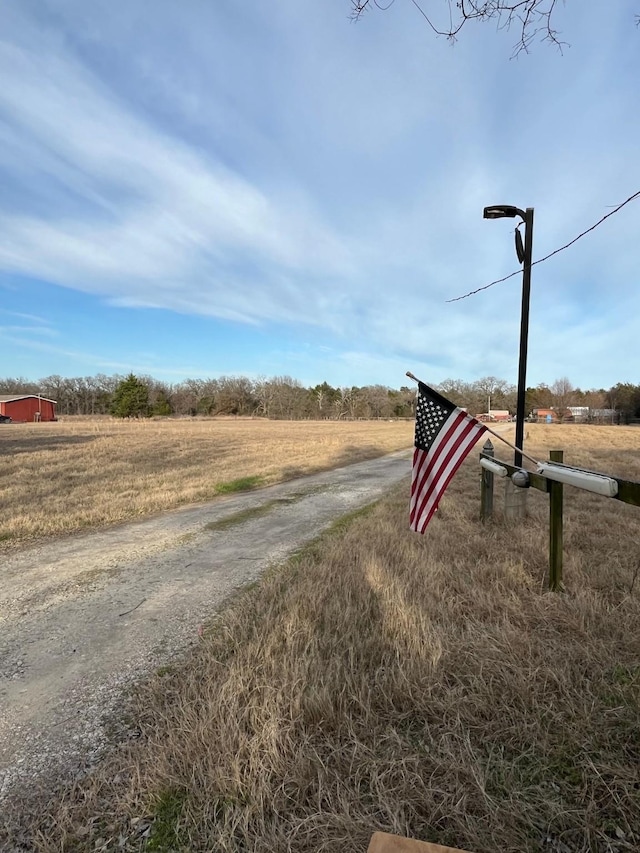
[[85, 617]]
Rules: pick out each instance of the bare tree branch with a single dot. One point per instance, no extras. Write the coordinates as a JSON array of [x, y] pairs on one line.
[[532, 18]]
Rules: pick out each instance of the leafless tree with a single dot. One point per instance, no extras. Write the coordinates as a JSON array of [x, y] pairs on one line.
[[492, 392], [235, 396], [264, 391], [344, 404], [280, 397], [286, 397], [376, 401], [457, 391], [562, 394], [531, 19]]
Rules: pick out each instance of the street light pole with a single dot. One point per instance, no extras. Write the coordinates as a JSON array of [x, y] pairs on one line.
[[500, 211], [524, 334]]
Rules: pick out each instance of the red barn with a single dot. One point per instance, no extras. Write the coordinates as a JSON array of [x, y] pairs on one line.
[[27, 408]]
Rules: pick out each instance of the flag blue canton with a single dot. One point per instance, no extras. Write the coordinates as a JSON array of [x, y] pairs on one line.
[[431, 414]]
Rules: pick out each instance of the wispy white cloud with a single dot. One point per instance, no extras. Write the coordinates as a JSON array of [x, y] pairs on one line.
[[87, 361], [285, 168], [32, 318], [44, 331], [184, 228]]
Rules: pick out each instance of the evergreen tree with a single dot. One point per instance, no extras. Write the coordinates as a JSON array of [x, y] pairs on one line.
[[131, 399], [162, 405]]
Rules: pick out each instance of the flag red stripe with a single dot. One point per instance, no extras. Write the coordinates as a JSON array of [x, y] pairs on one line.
[[423, 520], [442, 478], [428, 459], [432, 473], [431, 488], [461, 444], [432, 497], [455, 419]]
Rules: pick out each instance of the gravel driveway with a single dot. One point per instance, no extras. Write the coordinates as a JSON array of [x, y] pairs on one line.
[[83, 618]]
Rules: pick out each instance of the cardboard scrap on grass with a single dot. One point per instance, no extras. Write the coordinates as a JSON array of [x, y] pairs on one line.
[[382, 842]]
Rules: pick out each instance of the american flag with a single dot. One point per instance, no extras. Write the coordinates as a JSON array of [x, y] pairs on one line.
[[444, 436]]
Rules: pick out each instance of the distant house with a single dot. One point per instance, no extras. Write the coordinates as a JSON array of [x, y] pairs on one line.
[[545, 416], [580, 414], [575, 414], [604, 416], [27, 408], [494, 415]]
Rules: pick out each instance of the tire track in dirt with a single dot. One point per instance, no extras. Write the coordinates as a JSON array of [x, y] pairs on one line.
[[83, 618]]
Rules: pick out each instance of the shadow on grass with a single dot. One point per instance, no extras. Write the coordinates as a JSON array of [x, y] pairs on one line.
[[43, 442], [383, 681]]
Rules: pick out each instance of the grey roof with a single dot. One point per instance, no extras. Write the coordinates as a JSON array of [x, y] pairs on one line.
[[7, 398]]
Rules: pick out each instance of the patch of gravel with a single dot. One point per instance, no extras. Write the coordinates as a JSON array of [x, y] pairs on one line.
[[83, 619]]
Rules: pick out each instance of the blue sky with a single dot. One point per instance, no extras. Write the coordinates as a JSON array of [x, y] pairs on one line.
[[214, 187]]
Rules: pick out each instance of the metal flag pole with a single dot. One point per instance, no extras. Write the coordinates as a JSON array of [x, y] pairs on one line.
[[488, 429]]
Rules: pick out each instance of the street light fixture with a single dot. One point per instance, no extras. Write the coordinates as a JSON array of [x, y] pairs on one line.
[[500, 211], [524, 252]]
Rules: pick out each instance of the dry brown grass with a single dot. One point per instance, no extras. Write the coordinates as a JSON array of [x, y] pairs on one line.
[[427, 686], [612, 450], [62, 477]]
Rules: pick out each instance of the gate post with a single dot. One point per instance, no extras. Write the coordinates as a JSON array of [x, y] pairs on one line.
[[486, 484], [515, 501], [555, 527]]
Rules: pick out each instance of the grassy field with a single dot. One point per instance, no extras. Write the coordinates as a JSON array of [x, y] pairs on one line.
[[380, 680], [62, 477]]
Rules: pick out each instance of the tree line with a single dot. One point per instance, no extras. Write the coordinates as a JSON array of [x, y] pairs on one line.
[[283, 397]]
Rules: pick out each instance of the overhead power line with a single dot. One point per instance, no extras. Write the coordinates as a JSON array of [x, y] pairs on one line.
[[551, 254]]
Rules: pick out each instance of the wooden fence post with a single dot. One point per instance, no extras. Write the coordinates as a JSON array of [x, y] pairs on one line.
[[555, 527], [486, 485]]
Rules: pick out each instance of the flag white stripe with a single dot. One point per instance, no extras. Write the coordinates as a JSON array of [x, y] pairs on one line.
[[432, 475], [441, 475], [447, 436], [431, 484], [433, 450], [436, 481]]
